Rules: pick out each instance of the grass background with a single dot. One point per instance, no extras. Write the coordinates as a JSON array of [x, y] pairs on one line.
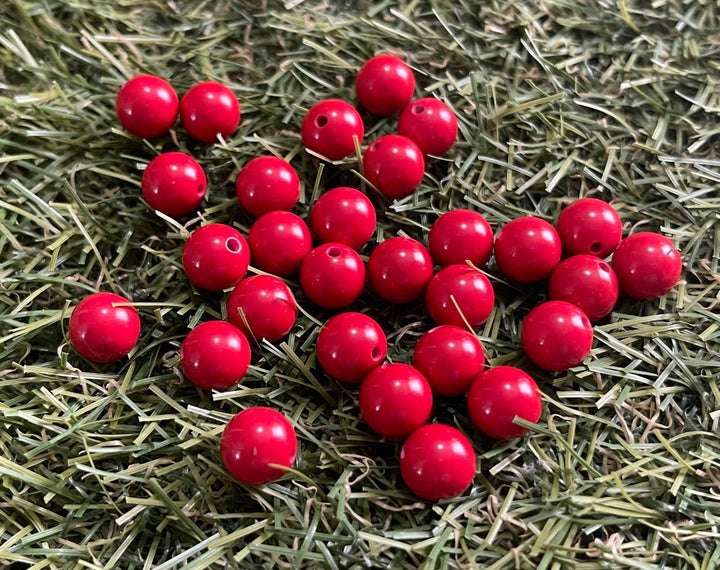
[[117, 466]]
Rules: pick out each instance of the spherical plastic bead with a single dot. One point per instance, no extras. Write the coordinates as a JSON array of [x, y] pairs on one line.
[[279, 241], [147, 106], [429, 123], [266, 184], [332, 275], [394, 165], [459, 236], [209, 110], [174, 184], [215, 257], [458, 291], [384, 85], [527, 249], [586, 281], [589, 226], [330, 128], [343, 215], [266, 304], [399, 270]]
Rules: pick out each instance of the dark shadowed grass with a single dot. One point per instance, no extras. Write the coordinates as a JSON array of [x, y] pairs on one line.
[[118, 465]]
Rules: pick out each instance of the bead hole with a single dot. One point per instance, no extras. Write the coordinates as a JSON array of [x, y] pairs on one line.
[[334, 251], [376, 352], [201, 189], [374, 146], [417, 109], [596, 247], [233, 245], [604, 267], [321, 121]]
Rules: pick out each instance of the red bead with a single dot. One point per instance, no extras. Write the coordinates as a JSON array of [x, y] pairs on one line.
[[497, 396], [394, 165], [215, 355], [266, 184], [330, 127], [527, 249], [647, 265], [332, 275], [586, 281], [215, 257], [459, 236], [450, 358], [174, 184], [266, 304], [343, 215], [399, 270], [556, 335], [384, 85], [147, 106], [258, 445], [279, 241], [471, 291], [349, 346], [395, 399], [102, 332], [209, 109], [437, 462], [431, 124], [589, 226]]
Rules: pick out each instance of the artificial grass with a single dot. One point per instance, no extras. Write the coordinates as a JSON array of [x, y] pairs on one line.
[[117, 466]]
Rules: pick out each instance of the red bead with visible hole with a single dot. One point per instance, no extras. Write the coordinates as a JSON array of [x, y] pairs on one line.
[[468, 287], [279, 241], [147, 106], [215, 257], [349, 346], [215, 355], [556, 335], [394, 165], [589, 226], [266, 184], [384, 85], [332, 275], [209, 110], [330, 127], [459, 236], [102, 332], [586, 281], [429, 123], [174, 184], [527, 249], [399, 269], [343, 215]]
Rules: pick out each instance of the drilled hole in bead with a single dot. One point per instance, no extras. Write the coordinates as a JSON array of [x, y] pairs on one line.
[[376, 352], [201, 189], [596, 247], [374, 146], [232, 244], [321, 121], [604, 267], [334, 252], [417, 109]]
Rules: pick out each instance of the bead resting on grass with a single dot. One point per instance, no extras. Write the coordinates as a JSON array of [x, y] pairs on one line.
[[147, 106]]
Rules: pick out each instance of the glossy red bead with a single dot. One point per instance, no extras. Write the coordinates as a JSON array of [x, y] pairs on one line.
[[384, 85], [343, 215], [104, 327], [465, 287], [589, 226], [215, 257], [394, 165], [556, 335], [266, 304], [209, 109], [500, 394], [586, 281], [279, 241], [395, 399], [330, 128], [258, 445], [429, 123], [437, 462], [332, 275], [399, 269], [147, 106], [527, 249], [174, 184], [349, 346], [647, 265], [215, 355], [450, 358], [459, 236], [266, 184]]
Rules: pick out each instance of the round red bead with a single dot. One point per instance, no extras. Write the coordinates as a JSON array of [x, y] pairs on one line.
[[462, 285], [399, 270], [174, 184], [527, 249], [394, 165], [330, 127], [266, 304], [589, 226], [586, 281], [429, 123], [384, 85], [279, 241], [266, 184], [209, 109], [147, 106], [215, 257], [459, 236], [343, 215], [332, 275]]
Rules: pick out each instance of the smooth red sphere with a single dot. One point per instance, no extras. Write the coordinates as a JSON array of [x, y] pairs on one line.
[[395, 399], [215, 257], [215, 355], [384, 85], [450, 358], [102, 331], [266, 184], [279, 241], [174, 184], [209, 109], [349, 346], [147, 106], [469, 288], [589, 226], [332, 275], [527, 249], [499, 394], [556, 335], [459, 236], [266, 304], [647, 265], [430, 124], [586, 281], [343, 215], [399, 269], [437, 462], [394, 165], [257, 444], [330, 127]]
